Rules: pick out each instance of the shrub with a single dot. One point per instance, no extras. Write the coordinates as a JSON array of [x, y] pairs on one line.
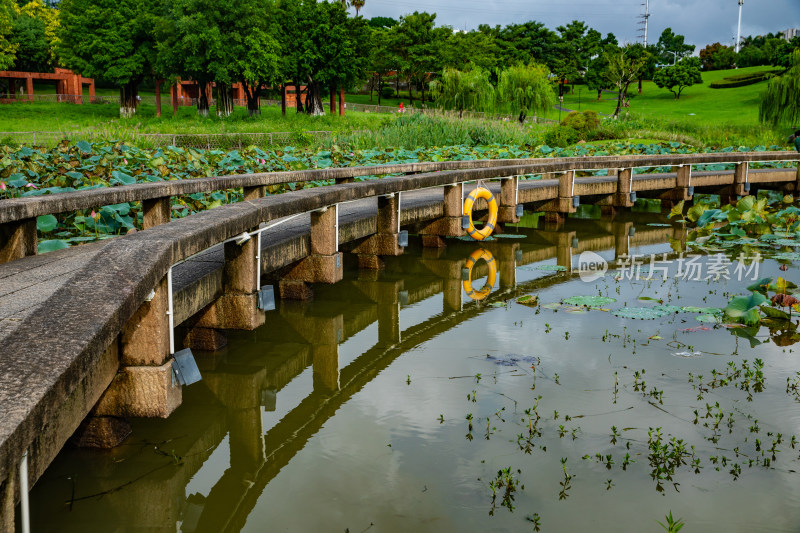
[[581, 124], [387, 92], [561, 136]]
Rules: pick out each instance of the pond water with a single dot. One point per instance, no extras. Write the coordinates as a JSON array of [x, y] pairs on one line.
[[396, 402]]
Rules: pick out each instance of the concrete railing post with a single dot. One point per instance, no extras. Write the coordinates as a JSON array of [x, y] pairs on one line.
[[507, 211], [683, 180], [237, 308], [17, 239], [450, 224], [386, 239], [556, 210], [155, 212], [144, 387], [323, 265]]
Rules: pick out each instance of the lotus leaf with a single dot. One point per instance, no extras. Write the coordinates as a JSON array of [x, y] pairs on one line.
[[740, 305], [641, 313], [52, 245], [46, 223], [589, 301], [529, 299]]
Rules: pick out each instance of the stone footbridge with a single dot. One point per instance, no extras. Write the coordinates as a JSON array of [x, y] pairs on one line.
[[88, 334]]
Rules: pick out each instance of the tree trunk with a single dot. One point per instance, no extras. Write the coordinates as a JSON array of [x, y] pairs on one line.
[[253, 104], [202, 100], [599, 94], [640, 85], [128, 99], [619, 102], [411, 92], [521, 118], [423, 95], [380, 86], [314, 100], [283, 99], [298, 98], [397, 84], [224, 100]]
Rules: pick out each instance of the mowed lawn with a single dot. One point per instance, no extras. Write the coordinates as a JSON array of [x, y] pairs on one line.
[[698, 104], [104, 118]]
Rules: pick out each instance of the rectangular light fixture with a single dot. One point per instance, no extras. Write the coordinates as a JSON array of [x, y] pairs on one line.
[[266, 298], [184, 369]]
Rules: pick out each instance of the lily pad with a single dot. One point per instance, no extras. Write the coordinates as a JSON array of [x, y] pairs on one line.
[[708, 319], [669, 309], [529, 299], [702, 310], [510, 236], [786, 242], [787, 256], [640, 313], [659, 225], [551, 268], [553, 305], [589, 301], [576, 310]]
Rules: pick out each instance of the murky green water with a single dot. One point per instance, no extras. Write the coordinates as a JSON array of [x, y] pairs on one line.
[[394, 402]]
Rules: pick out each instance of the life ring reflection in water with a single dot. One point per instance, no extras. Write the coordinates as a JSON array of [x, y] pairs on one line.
[[469, 203], [474, 257]]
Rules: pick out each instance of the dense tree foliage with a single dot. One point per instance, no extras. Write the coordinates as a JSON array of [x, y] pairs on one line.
[[676, 78], [8, 48], [111, 40], [326, 46]]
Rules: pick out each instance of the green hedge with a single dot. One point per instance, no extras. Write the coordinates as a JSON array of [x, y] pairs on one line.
[[741, 80]]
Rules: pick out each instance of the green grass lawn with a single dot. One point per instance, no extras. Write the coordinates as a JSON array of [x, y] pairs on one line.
[[45, 116], [698, 104]]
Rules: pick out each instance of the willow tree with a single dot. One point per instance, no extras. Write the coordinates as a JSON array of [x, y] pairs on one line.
[[780, 101], [464, 89], [526, 89]]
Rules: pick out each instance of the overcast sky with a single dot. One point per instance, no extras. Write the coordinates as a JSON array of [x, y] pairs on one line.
[[701, 21]]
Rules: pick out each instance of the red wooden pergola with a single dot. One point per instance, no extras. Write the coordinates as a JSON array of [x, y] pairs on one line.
[[69, 85]]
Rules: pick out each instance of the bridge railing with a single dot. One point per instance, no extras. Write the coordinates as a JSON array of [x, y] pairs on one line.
[[18, 215]]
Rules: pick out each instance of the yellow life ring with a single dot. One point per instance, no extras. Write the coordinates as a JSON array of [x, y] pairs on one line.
[[472, 231], [473, 258]]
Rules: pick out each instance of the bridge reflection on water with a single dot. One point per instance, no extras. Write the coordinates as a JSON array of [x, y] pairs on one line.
[[205, 468]]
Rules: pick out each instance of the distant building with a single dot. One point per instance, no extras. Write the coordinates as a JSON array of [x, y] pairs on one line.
[[790, 34]]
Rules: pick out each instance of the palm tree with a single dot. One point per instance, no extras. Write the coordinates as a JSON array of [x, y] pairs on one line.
[[358, 4]]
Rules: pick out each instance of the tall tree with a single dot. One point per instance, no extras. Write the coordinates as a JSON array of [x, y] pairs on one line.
[[717, 57], [624, 66], [417, 44], [780, 101], [111, 40], [195, 44], [8, 48], [33, 50], [35, 28], [671, 47], [256, 51], [321, 48], [526, 89]]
